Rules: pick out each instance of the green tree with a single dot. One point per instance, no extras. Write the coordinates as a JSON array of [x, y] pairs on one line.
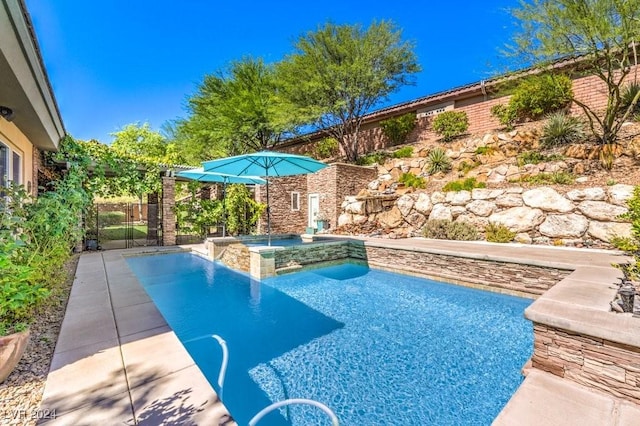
[[235, 111], [601, 35], [340, 72]]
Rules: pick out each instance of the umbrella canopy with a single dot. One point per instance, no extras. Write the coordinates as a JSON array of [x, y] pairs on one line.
[[265, 164], [201, 176]]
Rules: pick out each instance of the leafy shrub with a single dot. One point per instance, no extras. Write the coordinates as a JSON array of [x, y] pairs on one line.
[[485, 150], [498, 233], [506, 114], [535, 157], [560, 178], [405, 152], [631, 244], [326, 148], [561, 129], [397, 129], [438, 161], [450, 124], [629, 93], [448, 230], [465, 167], [463, 185], [110, 218], [372, 158], [412, 181], [537, 95]]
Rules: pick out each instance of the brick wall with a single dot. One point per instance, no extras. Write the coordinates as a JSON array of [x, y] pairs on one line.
[[598, 363], [527, 279], [589, 90]]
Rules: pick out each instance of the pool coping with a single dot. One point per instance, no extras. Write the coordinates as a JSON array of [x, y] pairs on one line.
[[102, 370]]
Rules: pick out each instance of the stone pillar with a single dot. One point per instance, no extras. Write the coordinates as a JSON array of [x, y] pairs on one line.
[[263, 261], [168, 211], [152, 219], [205, 193]]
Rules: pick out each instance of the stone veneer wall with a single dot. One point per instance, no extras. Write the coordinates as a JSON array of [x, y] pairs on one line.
[[336, 182], [598, 363], [524, 279], [538, 215], [236, 256], [307, 254], [168, 211], [284, 220]]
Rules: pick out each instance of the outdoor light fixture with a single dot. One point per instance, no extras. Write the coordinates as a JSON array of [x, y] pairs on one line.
[[6, 113]]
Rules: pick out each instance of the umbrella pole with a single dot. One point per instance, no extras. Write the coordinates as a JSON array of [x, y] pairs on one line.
[[268, 214], [224, 209]]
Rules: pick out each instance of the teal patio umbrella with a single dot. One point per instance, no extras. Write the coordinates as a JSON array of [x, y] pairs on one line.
[[265, 164], [201, 176]]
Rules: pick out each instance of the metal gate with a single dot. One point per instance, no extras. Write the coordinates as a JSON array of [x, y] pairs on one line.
[[121, 225]]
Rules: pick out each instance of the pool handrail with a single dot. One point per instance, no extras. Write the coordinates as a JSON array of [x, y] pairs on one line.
[[278, 404], [225, 361], [275, 405]]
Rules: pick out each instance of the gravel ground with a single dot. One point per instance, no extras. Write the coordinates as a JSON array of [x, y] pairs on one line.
[[21, 392]]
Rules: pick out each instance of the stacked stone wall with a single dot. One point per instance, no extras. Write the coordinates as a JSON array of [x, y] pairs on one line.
[[597, 363], [502, 276], [236, 256], [307, 254]]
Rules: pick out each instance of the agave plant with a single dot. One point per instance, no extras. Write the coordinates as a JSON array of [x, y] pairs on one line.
[[561, 128], [438, 161]]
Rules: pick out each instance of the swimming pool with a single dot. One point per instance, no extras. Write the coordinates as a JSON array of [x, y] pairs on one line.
[[376, 347]]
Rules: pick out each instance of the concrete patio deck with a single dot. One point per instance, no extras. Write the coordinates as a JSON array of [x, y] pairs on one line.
[[117, 361]]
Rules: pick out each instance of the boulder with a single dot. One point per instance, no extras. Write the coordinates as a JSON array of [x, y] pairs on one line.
[[619, 194], [547, 199], [391, 218], [416, 220], [605, 231], [523, 238], [405, 204], [599, 210], [458, 198], [359, 219], [481, 207], [587, 194], [457, 211], [509, 200], [423, 203], [440, 212], [345, 219], [479, 222], [438, 197], [357, 207], [518, 219], [485, 194], [563, 226]]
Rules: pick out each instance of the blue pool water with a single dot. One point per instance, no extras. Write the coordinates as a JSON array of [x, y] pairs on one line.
[[378, 348]]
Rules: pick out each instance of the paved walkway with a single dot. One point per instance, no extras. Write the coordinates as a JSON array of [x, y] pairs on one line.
[[117, 361]]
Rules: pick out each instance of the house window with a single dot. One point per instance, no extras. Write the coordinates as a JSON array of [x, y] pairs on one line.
[[16, 169], [434, 110], [4, 164], [295, 201]]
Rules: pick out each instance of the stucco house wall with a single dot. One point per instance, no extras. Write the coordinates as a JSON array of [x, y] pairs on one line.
[[34, 124]]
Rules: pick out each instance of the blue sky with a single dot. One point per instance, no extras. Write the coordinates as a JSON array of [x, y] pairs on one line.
[[115, 62]]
